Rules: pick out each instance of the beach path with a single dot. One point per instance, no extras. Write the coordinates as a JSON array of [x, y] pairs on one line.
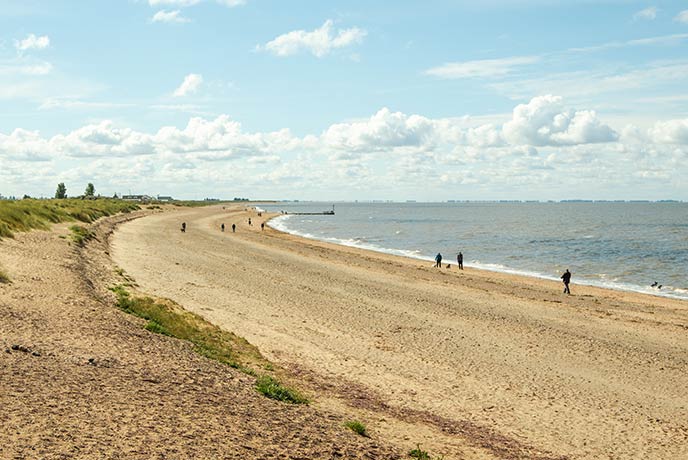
[[471, 364]]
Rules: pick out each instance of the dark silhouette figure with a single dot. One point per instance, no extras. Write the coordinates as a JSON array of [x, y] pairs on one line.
[[183, 227], [222, 227], [438, 260], [566, 277], [262, 226], [233, 228], [459, 260], [249, 221], [654, 284]]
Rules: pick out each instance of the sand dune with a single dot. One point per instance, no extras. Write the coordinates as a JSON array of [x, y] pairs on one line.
[[473, 364]]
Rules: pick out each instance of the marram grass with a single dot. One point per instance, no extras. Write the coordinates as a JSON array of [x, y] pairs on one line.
[[28, 214]]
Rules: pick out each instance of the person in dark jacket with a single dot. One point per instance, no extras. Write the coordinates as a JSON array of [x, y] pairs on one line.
[[566, 277], [438, 260], [459, 260]]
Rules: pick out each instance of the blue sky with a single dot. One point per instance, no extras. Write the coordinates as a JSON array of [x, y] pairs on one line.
[[430, 100]]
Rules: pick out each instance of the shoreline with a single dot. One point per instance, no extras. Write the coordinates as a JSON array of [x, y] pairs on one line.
[[492, 268], [510, 356]]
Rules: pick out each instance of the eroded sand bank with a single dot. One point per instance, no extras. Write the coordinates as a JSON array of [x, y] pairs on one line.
[[508, 360]]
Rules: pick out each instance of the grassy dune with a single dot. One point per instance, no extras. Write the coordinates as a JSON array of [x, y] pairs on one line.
[[25, 215]]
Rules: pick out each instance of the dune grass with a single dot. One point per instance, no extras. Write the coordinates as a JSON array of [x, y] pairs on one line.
[[273, 389], [29, 214], [165, 317], [357, 427], [81, 234], [421, 454]]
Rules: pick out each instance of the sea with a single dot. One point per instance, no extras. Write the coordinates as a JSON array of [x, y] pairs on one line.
[[626, 246]]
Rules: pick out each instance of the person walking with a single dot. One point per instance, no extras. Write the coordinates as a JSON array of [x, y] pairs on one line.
[[262, 226], [459, 260], [249, 221], [222, 227], [438, 260], [183, 227], [566, 277], [233, 228]]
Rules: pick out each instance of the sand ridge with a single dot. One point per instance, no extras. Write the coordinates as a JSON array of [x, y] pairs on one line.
[[599, 374], [80, 379]]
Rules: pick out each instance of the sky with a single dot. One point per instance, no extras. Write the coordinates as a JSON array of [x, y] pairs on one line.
[[345, 100]]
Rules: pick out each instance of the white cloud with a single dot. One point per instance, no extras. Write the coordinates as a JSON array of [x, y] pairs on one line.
[[188, 3], [545, 121], [32, 42], [648, 14], [179, 3], [670, 132], [189, 86], [231, 3], [169, 17], [545, 148], [481, 68], [319, 42], [682, 17]]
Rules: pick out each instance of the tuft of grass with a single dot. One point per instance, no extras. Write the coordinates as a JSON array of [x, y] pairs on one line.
[[275, 390], [357, 427], [421, 454], [165, 317], [29, 214], [80, 234], [4, 278]]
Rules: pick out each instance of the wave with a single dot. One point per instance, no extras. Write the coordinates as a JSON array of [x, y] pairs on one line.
[[280, 223]]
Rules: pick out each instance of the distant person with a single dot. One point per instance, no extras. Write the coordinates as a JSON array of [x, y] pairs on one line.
[[183, 227], [262, 226], [249, 221], [566, 277], [438, 260], [233, 228], [654, 284], [459, 260]]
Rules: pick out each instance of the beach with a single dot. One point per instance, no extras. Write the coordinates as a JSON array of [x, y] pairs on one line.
[[470, 364]]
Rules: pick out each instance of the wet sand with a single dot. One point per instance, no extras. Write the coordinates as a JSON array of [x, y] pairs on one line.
[[472, 364]]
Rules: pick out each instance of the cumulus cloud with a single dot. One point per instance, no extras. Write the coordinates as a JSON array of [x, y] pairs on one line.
[[169, 17], [545, 121], [189, 86], [682, 17], [481, 68], [318, 42], [670, 132], [32, 42], [648, 14]]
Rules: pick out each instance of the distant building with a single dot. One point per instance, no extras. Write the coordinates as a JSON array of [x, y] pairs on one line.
[[165, 198], [137, 198]]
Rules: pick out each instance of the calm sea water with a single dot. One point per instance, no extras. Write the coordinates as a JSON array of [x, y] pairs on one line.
[[623, 246]]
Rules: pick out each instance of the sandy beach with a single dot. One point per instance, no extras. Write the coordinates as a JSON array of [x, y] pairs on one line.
[[470, 364]]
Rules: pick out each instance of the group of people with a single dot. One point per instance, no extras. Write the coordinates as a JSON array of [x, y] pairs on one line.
[[459, 261], [222, 226], [566, 277]]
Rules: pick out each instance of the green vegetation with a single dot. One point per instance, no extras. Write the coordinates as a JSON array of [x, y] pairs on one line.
[[275, 390], [25, 215], [81, 234], [357, 427], [4, 279], [421, 454], [165, 317], [90, 190], [61, 192]]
